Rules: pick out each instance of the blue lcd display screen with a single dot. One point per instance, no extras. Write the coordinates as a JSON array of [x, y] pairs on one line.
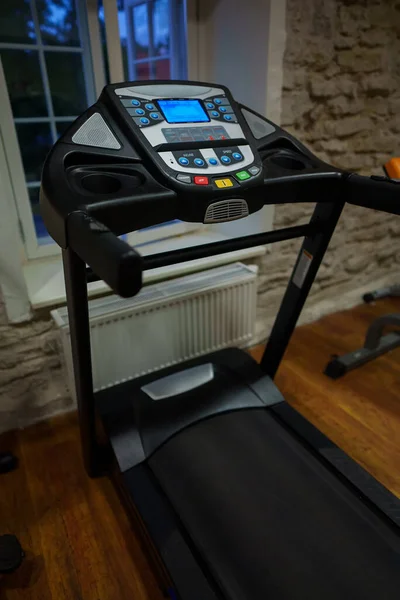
[[183, 111]]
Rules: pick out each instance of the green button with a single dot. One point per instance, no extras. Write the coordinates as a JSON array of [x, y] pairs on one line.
[[242, 175]]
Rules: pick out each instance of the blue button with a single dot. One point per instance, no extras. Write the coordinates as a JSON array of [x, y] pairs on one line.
[[150, 106], [135, 102], [237, 156], [183, 161], [222, 109], [214, 113], [225, 159], [139, 111], [210, 105], [228, 117], [154, 115], [213, 161], [144, 121], [217, 100], [199, 162]]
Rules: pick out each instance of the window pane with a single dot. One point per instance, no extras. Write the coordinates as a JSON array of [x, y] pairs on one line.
[[143, 71], [58, 22], [24, 83], [162, 69], [67, 85], [141, 31], [62, 127], [35, 142], [161, 27], [16, 24]]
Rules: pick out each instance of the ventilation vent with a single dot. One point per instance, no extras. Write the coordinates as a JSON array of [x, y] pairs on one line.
[[166, 323], [226, 210], [96, 132]]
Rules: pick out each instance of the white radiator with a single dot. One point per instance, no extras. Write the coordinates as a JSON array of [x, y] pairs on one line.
[[166, 323]]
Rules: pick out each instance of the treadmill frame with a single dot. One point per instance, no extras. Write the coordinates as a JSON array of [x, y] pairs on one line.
[[317, 234], [167, 544]]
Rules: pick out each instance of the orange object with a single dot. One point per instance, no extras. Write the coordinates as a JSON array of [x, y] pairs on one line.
[[392, 168]]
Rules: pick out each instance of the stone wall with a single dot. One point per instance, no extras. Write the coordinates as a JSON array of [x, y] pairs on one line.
[[341, 97], [32, 379]]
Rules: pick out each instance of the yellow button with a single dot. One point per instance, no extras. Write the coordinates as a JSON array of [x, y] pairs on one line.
[[224, 183]]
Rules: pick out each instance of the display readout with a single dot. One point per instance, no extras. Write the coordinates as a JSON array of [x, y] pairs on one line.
[[183, 111], [174, 135]]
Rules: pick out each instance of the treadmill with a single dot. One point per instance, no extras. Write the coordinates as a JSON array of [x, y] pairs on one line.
[[235, 494]]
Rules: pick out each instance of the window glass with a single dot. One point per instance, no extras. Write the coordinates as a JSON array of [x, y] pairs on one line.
[[16, 23], [67, 83], [24, 83], [58, 22]]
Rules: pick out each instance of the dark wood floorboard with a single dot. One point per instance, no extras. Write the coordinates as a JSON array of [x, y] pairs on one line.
[[77, 538]]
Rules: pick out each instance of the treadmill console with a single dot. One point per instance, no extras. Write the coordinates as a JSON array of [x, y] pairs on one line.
[[193, 130], [148, 153]]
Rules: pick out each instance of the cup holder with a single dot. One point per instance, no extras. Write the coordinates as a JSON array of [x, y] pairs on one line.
[[101, 183], [286, 161]]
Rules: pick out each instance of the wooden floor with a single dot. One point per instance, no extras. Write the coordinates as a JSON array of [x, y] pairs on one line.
[[77, 539]]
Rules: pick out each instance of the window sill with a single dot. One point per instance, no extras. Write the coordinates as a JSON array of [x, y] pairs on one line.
[[45, 280]]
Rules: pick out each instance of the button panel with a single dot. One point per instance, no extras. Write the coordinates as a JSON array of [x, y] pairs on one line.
[[222, 109], [201, 180], [229, 155], [223, 183], [242, 175], [142, 108], [192, 159]]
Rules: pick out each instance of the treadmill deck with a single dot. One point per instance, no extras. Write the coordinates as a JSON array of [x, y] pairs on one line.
[[269, 519]]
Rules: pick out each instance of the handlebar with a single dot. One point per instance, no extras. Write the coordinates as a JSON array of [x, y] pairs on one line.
[[112, 259], [376, 192]]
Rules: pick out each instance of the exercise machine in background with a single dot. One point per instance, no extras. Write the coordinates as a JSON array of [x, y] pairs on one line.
[[383, 334], [11, 553], [236, 495]]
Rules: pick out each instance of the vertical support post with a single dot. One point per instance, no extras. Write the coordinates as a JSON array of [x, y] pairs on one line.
[[78, 314], [305, 270]]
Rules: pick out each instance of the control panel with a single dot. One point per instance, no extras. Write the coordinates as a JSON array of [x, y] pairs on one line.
[[194, 130]]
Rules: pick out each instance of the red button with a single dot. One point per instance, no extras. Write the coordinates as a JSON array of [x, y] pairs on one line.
[[201, 180]]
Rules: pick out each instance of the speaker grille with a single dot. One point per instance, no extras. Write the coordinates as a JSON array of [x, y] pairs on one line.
[[96, 132], [226, 210]]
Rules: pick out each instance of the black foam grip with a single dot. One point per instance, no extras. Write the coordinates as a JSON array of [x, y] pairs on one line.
[[374, 192], [112, 259]]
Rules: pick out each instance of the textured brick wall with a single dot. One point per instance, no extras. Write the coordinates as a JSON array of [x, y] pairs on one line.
[[32, 382], [341, 97]]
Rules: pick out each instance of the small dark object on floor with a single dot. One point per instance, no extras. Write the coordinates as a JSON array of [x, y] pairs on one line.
[[8, 462], [11, 554]]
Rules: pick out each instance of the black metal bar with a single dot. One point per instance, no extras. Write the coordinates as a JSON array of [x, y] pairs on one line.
[[185, 254], [298, 288], [78, 314], [340, 365]]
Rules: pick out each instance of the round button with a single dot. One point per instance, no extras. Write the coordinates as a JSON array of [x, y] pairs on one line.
[[214, 113], [144, 121], [218, 101], [210, 105], [213, 161], [154, 116], [183, 161], [139, 111], [149, 106], [199, 162], [237, 156], [135, 102], [228, 117], [225, 159], [222, 109]]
